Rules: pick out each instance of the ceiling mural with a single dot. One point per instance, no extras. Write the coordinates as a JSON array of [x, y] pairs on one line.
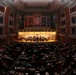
[[36, 5]]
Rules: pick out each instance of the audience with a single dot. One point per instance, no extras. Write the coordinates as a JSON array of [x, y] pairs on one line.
[[38, 59]]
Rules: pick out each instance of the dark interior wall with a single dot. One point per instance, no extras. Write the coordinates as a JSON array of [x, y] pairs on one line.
[[21, 21]]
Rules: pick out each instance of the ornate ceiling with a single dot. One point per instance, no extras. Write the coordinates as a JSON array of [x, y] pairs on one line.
[[36, 5]]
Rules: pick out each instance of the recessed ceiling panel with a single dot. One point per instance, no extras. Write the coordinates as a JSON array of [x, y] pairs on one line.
[[38, 5], [37, 0]]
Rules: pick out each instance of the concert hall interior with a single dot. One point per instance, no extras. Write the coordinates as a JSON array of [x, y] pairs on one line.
[[37, 37]]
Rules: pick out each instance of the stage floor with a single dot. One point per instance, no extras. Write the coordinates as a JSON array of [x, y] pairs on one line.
[[36, 41]]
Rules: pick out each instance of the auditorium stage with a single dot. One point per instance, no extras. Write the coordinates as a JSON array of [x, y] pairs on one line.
[[36, 42]]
